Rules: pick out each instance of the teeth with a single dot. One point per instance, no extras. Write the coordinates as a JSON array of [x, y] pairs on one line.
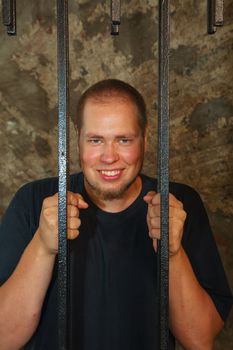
[[110, 173]]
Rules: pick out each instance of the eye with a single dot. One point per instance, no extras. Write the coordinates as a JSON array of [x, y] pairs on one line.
[[124, 141], [95, 141]]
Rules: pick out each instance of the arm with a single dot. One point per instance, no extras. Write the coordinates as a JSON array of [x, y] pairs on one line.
[[194, 320], [22, 295]]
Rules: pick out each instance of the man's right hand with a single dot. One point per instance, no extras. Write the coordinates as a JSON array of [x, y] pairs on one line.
[[48, 225]]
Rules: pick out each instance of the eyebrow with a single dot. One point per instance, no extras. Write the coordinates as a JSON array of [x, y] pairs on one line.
[[93, 135], [90, 135]]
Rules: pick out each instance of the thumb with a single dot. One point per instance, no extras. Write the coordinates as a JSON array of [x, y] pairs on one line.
[[148, 197], [77, 200]]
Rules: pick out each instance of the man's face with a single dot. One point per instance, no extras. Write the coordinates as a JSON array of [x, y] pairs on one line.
[[111, 148]]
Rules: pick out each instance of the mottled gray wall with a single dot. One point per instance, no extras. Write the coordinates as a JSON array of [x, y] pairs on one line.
[[201, 85]]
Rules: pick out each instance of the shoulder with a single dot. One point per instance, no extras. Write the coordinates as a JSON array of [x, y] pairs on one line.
[[182, 191], [29, 197], [190, 198], [44, 187], [34, 192], [47, 184]]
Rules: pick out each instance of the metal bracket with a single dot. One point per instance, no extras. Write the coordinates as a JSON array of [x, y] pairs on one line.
[[9, 16], [115, 16], [214, 15]]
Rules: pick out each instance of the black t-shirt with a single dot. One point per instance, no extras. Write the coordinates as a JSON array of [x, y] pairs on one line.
[[114, 296]]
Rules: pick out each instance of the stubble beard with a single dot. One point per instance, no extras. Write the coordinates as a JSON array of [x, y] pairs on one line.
[[107, 195]]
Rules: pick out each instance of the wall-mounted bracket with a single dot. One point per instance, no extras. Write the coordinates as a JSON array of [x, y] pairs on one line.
[[9, 16], [214, 15], [115, 16]]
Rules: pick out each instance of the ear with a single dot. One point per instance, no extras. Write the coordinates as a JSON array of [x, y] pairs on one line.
[[77, 131], [146, 138], [76, 128]]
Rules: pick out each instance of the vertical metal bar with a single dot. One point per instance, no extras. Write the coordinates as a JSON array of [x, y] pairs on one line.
[[63, 157], [115, 16], [9, 15], [163, 167]]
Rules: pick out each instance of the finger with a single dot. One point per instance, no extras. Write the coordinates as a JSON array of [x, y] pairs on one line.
[[77, 200], [154, 233], [148, 197], [155, 199], [82, 204], [155, 210], [174, 202], [155, 245], [155, 222], [72, 234], [73, 223], [72, 211], [177, 212], [176, 227]]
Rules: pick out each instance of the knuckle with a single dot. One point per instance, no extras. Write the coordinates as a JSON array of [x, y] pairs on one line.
[[155, 232], [180, 204], [72, 210], [46, 202], [74, 223], [184, 214], [150, 234], [72, 234], [47, 212], [155, 222]]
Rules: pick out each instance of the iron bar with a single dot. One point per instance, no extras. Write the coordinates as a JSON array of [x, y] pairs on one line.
[[9, 16], [163, 167], [115, 16], [63, 170]]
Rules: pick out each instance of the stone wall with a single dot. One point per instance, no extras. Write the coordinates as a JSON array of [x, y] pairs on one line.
[[201, 96]]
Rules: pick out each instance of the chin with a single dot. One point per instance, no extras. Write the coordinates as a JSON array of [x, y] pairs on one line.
[[111, 195], [117, 192]]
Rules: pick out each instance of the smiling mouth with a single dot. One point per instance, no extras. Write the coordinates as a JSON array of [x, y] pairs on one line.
[[110, 174]]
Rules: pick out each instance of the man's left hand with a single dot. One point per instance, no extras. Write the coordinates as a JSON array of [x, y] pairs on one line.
[[177, 217]]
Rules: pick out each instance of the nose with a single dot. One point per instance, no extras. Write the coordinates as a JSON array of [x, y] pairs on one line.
[[109, 154]]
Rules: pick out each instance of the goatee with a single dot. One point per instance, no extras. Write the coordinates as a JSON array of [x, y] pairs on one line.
[[110, 194]]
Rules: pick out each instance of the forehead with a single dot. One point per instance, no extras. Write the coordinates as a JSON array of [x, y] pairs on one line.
[[112, 100], [115, 112]]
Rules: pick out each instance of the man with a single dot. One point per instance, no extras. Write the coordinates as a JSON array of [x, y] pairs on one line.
[[113, 228]]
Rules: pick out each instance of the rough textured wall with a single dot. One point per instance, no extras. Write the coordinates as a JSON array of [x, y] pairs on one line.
[[200, 89]]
